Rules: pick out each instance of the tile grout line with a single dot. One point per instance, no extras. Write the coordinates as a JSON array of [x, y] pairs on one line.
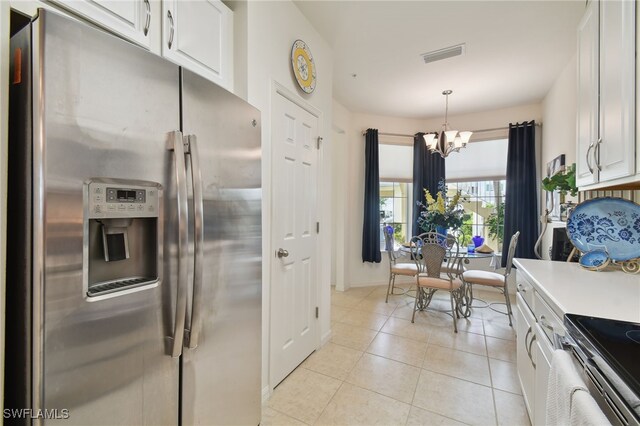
[[328, 402], [342, 381], [288, 415], [483, 323], [493, 393]]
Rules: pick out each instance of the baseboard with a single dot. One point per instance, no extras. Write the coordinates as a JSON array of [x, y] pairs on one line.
[[325, 338], [265, 394]]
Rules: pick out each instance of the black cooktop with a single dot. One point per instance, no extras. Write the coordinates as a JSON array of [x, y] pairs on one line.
[[618, 342]]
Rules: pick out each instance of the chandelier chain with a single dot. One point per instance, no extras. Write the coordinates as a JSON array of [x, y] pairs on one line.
[[446, 112]]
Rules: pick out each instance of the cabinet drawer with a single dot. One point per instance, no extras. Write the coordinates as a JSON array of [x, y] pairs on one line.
[[525, 289], [547, 320]]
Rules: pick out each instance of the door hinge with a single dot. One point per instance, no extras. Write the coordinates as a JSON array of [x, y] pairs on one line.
[[317, 227], [317, 312], [318, 142]]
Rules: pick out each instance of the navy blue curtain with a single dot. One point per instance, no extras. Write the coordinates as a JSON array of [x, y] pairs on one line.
[[371, 225], [428, 170], [521, 195]]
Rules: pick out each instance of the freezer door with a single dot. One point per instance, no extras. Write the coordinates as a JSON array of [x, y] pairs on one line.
[[221, 376], [103, 109]]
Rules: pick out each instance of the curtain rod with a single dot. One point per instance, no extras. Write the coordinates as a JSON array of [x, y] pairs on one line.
[[402, 135]]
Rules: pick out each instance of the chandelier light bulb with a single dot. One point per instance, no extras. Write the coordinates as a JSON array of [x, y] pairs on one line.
[[450, 136]]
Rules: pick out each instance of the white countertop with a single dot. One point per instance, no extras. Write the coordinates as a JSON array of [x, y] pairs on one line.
[[568, 288]]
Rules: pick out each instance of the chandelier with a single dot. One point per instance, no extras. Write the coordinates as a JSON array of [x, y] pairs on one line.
[[448, 140]]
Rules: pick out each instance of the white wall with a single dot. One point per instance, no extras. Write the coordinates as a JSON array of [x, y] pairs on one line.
[[272, 27], [559, 131], [339, 161], [357, 273]]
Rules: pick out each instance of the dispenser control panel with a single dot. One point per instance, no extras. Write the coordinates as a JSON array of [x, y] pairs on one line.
[[108, 200]]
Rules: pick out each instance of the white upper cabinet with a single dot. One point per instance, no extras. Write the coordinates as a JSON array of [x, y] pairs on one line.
[[129, 18], [198, 35], [587, 102], [195, 34], [616, 152], [606, 143]]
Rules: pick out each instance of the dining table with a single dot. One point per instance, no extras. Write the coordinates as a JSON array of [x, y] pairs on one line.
[[462, 257]]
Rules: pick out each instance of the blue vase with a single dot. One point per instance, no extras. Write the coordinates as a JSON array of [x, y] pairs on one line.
[[477, 240], [442, 230]]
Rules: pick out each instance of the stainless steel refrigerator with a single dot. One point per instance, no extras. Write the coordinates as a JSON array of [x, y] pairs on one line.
[[134, 270]]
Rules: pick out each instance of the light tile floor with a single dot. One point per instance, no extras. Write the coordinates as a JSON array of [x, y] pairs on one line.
[[379, 368]]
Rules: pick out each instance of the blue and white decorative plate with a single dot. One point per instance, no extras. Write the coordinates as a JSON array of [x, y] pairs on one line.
[[594, 260], [610, 222]]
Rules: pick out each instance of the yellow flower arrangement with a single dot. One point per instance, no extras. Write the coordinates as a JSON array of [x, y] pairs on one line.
[[438, 212]]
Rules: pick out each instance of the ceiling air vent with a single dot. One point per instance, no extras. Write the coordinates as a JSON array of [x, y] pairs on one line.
[[447, 52]]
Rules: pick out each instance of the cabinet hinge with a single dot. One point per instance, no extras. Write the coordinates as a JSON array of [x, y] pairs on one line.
[[317, 227], [318, 142], [317, 312]]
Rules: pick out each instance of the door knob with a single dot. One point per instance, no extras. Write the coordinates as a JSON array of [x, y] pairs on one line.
[[282, 253]]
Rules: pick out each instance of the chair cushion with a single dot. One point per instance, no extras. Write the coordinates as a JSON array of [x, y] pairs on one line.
[[409, 269], [483, 278], [440, 283]]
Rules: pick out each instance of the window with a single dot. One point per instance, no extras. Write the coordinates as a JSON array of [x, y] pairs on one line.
[[396, 197], [395, 210], [484, 202], [478, 172]]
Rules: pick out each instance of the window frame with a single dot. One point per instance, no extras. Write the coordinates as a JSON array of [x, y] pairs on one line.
[[409, 215]]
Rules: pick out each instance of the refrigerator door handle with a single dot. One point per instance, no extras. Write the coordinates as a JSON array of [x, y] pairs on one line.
[[198, 213], [176, 144]]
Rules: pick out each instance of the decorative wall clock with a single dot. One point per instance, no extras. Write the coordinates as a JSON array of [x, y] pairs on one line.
[[303, 66]]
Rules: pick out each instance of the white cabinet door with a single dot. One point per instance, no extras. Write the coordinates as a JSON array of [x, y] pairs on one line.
[[587, 105], [525, 323], [606, 139], [129, 18], [542, 354], [616, 152], [198, 35]]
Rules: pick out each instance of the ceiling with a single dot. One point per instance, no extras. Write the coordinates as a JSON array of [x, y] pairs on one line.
[[514, 52]]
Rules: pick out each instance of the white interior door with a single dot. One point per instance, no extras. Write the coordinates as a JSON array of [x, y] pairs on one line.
[[294, 234]]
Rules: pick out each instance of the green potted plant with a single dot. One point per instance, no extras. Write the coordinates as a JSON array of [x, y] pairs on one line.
[[562, 182]]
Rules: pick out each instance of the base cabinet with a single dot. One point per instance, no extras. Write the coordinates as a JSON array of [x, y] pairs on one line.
[[542, 354], [525, 323], [536, 325]]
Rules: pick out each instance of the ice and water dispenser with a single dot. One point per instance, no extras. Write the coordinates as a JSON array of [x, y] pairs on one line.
[[122, 236]]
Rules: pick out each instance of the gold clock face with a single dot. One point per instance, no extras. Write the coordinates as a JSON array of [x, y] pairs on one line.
[[303, 66]]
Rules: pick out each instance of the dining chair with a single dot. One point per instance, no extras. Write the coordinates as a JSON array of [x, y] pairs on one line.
[[493, 279], [453, 244], [395, 268], [436, 271]]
